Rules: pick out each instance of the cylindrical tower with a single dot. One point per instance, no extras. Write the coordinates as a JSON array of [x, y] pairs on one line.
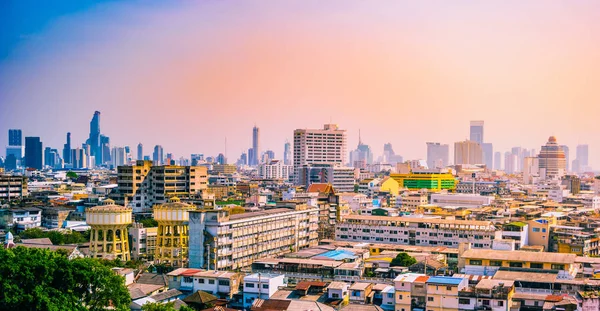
[[172, 237], [108, 237]]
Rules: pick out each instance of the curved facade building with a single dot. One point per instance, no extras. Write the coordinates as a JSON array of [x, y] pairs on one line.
[[553, 163], [108, 238], [173, 236]]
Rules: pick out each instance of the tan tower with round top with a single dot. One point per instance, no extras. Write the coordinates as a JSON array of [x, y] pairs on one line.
[[108, 236], [173, 237]]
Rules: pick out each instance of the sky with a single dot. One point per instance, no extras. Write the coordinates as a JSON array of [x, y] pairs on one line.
[[190, 75]]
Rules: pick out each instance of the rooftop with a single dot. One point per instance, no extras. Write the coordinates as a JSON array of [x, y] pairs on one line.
[[445, 280], [524, 256]]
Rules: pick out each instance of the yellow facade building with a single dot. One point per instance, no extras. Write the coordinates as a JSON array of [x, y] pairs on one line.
[[108, 237], [173, 235]]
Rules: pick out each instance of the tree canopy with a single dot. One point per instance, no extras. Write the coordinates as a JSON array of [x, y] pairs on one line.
[[149, 222], [72, 175], [57, 237], [403, 260], [169, 306], [40, 279]]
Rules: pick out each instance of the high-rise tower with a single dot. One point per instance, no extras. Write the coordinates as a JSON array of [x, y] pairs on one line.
[[67, 149], [552, 160], [94, 139], [477, 132], [255, 146], [33, 152], [140, 152]]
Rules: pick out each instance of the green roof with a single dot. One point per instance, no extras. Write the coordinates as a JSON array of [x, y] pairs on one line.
[[517, 224]]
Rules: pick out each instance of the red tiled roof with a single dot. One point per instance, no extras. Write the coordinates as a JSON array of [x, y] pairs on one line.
[[422, 278], [320, 188], [305, 285]]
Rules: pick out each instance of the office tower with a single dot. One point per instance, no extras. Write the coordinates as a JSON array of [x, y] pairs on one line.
[[531, 169], [255, 146], [287, 153], [196, 158], [145, 184], [565, 149], [268, 156], [118, 157], [327, 145], [488, 155], [128, 154], [105, 148], [15, 137], [437, 155], [250, 156], [362, 156], [140, 151], [510, 163], [221, 159], [476, 132], [467, 152], [51, 157], [582, 158], [519, 153], [108, 236], [33, 153], [94, 139], [157, 155], [79, 158], [67, 149], [498, 160], [243, 159], [552, 160]]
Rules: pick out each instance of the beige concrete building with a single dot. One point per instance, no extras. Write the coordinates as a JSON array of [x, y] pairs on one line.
[[108, 237], [467, 152], [416, 231], [144, 185], [172, 236], [219, 239], [12, 187], [327, 145], [143, 241]]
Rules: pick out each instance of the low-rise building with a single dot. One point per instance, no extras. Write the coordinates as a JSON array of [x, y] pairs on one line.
[[461, 200], [360, 292], [54, 217], [443, 293], [339, 291], [261, 286], [143, 241], [221, 284], [488, 294], [20, 218], [404, 284]]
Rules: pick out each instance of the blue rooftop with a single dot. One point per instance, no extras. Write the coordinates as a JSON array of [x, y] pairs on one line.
[[444, 280], [338, 254]]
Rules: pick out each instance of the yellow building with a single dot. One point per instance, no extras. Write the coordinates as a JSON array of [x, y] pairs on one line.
[[390, 185], [432, 209], [173, 235], [425, 180], [539, 231], [108, 237], [442, 292]]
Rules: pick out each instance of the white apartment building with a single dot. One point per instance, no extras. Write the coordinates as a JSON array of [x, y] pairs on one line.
[[143, 241], [461, 200], [235, 241], [416, 231], [261, 285], [21, 218], [275, 169], [357, 201], [222, 284], [327, 145]]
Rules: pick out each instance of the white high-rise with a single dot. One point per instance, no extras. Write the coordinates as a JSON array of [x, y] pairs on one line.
[[437, 155], [327, 145]]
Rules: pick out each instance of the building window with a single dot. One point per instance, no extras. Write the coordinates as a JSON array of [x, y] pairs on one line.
[[558, 267], [187, 279], [265, 286], [250, 285], [495, 263], [536, 229], [390, 295], [399, 297], [211, 281], [448, 287], [486, 302], [464, 301], [224, 282], [429, 299], [500, 303], [335, 295], [536, 265], [474, 262], [201, 281], [516, 265]]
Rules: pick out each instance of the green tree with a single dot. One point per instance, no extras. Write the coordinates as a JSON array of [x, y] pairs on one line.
[[40, 279], [72, 175], [149, 222], [57, 237], [403, 260]]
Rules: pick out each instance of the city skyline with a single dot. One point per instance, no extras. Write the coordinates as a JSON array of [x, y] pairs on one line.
[[528, 81]]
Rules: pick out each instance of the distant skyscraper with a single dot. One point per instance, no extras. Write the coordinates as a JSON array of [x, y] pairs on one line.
[[310, 147], [67, 149], [390, 156], [552, 160], [15, 137], [157, 156], [51, 157], [196, 158], [140, 151], [476, 132], [582, 157], [118, 157], [221, 159], [94, 138], [519, 152], [467, 152], [268, 156], [498, 160], [33, 152], [79, 158], [565, 149], [255, 146], [105, 148], [362, 156], [287, 153], [510, 163], [250, 156], [488, 155], [437, 155], [243, 159]]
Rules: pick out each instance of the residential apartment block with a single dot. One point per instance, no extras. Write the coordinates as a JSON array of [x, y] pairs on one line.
[[416, 231], [142, 241], [219, 239], [12, 187], [327, 145]]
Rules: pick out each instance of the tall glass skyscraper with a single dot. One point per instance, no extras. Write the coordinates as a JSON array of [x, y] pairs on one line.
[[476, 132], [255, 146], [15, 137], [33, 153]]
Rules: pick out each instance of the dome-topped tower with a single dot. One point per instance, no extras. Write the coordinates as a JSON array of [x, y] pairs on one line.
[[552, 160], [172, 237], [108, 238]]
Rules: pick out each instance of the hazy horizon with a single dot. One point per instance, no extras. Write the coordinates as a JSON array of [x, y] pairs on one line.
[[186, 75]]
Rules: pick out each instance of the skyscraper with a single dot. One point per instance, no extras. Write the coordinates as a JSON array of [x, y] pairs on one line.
[[15, 137], [157, 155], [94, 139], [255, 146], [362, 156], [468, 152], [519, 152], [33, 152], [140, 151], [498, 160], [105, 148], [51, 157], [389, 156], [476, 132], [582, 157], [67, 149], [287, 153], [552, 160], [488, 155], [221, 159], [118, 157], [510, 162], [565, 149], [327, 145], [437, 155]]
